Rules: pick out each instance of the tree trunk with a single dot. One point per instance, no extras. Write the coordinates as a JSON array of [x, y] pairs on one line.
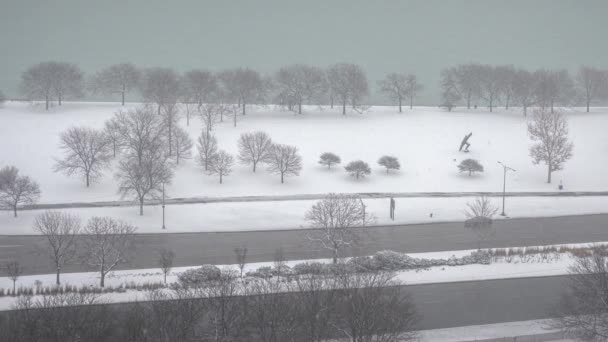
[[102, 281], [123, 97], [525, 110], [549, 174], [47, 102], [57, 278], [551, 106], [220, 178], [400, 111], [281, 177], [14, 285], [15, 210], [254, 164], [244, 107], [588, 102], [300, 108], [331, 102], [335, 255], [59, 99], [88, 180], [158, 109], [344, 108], [141, 207], [165, 277], [411, 102], [469, 101]]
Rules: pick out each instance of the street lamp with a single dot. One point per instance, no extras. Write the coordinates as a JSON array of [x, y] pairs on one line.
[[164, 206], [504, 185]]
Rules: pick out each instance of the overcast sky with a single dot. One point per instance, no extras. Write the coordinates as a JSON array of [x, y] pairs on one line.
[[418, 36]]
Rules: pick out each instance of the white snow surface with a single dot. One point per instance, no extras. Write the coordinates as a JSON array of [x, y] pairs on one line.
[[252, 216], [487, 331], [425, 140]]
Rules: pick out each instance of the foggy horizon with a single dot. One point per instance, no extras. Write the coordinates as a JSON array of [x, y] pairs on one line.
[[419, 37]]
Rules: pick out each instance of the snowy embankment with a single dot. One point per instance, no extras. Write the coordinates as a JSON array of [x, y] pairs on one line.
[[424, 139], [517, 266], [251, 216]]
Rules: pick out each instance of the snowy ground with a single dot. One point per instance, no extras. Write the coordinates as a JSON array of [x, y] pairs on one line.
[[488, 331], [249, 216], [425, 140]]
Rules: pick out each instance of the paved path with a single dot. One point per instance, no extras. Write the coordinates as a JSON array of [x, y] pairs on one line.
[[485, 302], [217, 248], [301, 197]]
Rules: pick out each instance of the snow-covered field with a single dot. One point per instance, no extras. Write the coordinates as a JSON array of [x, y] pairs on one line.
[[250, 216], [425, 140]]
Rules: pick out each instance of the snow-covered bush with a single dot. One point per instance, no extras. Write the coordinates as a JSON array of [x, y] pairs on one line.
[[261, 272], [309, 268], [197, 276]]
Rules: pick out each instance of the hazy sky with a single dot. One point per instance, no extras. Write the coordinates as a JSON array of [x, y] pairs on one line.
[[418, 36]]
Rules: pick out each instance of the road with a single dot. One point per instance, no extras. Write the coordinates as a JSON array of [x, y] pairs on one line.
[[217, 248], [485, 302]]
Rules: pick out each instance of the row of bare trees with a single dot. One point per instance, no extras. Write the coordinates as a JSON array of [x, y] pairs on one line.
[[358, 307], [489, 84]]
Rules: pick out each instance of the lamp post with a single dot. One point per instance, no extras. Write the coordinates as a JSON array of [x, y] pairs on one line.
[[163, 204], [505, 168]]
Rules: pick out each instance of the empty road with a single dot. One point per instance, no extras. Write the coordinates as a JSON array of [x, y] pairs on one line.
[[217, 248]]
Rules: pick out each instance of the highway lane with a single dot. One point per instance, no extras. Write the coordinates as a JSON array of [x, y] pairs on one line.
[[217, 248]]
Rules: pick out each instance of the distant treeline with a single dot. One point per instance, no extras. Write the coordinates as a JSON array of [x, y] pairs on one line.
[[292, 86]]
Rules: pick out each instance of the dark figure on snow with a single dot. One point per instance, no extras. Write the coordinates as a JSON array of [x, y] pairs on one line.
[[392, 211], [465, 141]]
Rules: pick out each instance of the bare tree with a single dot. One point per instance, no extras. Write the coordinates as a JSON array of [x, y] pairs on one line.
[[173, 315], [160, 86], [394, 86], [165, 262], [389, 162], [316, 299], [61, 232], [199, 85], [107, 243], [144, 178], [207, 149], [593, 82], [507, 83], [467, 81], [581, 313], [412, 88], [170, 115], [142, 131], [226, 309], [17, 190], [329, 159], [490, 84], [284, 160], [116, 79], [372, 307], [48, 79], [210, 114], [87, 152], [348, 83], [335, 220], [470, 166], [358, 169], [479, 215], [241, 258], [13, 270], [112, 132], [524, 83], [222, 164], [244, 85], [553, 87], [182, 144], [550, 132], [449, 90], [254, 148], [300, 83]]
